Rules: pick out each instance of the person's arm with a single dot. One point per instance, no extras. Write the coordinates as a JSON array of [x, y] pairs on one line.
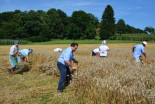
[[75, 60], [27, 58], [17, 54], [144, 55], [70, 65], [133, 49]]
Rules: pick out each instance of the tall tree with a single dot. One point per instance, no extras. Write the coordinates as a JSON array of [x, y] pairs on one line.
[[80, 19], [55, 24], [120, 27], [8, 24], [85, 25], [107, 28], [29, 24]]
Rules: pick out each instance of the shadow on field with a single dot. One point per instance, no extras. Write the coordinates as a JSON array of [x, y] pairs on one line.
[[23, 67]]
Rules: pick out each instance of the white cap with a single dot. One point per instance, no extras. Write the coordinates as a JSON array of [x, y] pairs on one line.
[[144, 42], [103, 42]]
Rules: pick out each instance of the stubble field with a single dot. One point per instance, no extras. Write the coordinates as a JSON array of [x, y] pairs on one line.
[[112, 80]]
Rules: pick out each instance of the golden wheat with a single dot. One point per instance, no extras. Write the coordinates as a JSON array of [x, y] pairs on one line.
[[115, 79]]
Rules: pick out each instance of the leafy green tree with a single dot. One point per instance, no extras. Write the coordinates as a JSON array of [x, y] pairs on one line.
[[6, 17], [29, 24], [85, 24], [121, 27], [73, 31], [107, 28], [93, 20], [131, 29], [90, 31], [150, 30], [45, 31], [63, 16], [55, 24], [9, 24]]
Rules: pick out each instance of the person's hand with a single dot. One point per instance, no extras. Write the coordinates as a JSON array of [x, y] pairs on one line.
[[74, 68]]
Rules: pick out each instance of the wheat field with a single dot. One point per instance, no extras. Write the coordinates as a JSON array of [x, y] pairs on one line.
[[112, 80]]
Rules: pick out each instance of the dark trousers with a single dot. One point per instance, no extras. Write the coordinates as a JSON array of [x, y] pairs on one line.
[[93, 54], [64, 75]]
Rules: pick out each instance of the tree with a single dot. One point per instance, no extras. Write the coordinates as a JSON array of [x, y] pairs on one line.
[[8, 24], [29, 24], [107, 28], [120, 27], [55, 24], [150, 30], [85, 25]]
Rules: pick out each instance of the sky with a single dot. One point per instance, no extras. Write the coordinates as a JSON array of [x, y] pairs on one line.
[[136, 13]]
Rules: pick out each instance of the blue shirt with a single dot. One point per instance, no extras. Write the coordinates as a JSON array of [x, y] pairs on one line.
[[139, 49], [24, 52], [66, 55]]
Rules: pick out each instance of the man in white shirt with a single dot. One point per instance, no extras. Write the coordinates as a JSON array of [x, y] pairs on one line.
[[13, 57], [103, 49]]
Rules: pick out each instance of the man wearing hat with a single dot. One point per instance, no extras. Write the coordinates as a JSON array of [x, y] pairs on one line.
[[103, 49], [13, 57], [138, 50], [24, 55]]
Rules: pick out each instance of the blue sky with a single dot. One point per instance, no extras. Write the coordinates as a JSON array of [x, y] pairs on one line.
[[137, 13]]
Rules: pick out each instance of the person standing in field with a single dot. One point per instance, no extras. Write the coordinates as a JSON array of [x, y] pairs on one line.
[[103, 49], [138, 50], [63, 64], [24, 55], [13, 57]]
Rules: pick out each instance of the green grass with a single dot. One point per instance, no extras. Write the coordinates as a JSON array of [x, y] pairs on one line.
[[85, 42], [136, 35], [10, 41]]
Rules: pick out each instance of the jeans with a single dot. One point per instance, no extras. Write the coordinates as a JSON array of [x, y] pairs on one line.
[[64, 75]]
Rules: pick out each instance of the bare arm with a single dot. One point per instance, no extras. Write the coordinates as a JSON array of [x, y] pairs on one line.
[[27, 58], [133, 49], [75, 60], [70, 65], [144, 55]]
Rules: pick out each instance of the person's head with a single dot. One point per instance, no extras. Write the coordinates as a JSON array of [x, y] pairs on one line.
[[74, 46], [144, 43], [30, 50], [103, 42], [16, 42]]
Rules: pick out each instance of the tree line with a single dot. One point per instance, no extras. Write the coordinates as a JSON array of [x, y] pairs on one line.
[[55, 24]]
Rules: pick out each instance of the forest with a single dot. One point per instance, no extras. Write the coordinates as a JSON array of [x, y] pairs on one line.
[[39, 26]]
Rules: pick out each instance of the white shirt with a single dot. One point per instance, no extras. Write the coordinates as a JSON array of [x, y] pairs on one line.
[[96, 50], [14, 50], [103, 50], [57, 50]]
